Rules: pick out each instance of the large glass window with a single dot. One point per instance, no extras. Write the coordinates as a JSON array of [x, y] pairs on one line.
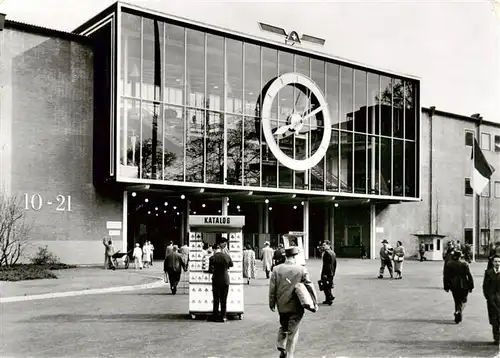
[[174, 80], [360, 112], [191, 98], [195, 69], [346, 98]]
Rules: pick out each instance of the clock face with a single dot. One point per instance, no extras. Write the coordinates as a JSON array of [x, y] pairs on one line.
[[298, 123]]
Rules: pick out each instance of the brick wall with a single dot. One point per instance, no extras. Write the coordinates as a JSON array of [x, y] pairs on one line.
[[47, 111]]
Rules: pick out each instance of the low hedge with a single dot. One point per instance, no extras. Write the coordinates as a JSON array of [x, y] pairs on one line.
[[25, 272]]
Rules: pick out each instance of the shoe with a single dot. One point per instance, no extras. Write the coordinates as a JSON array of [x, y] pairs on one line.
[[223, 320], [458, 317], [380, 276], [282, 353]]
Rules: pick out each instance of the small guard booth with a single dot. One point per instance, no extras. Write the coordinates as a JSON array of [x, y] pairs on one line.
[[210, 230], [296, 238], [433, 245]]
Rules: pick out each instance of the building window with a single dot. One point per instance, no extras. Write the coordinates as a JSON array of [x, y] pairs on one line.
[[438, 245], [485, 141], [468, 187], [496, 236], [497, 143], [497, 189], [469, 138], [486, 191], [468, 236], [485, 238]]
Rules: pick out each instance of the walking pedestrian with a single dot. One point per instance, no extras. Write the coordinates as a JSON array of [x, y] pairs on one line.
[[248, 263], [172, 266], [219, 265], [386, 252], [152, 249], [267, 258], [328, 271], [109, 251], [282, 295], [495, 250], [279, 255], [448, 252], [421, 251], [458, 279], [137, 255], [491, 292], [169, 248], [399, 257], [146, 252]]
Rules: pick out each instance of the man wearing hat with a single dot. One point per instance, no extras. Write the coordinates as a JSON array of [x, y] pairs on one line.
[[386, 252], [282, 295], [328, 271], [219, 264], [267, 258], [458, 279]]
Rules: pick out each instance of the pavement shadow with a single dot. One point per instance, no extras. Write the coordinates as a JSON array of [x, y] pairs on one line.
[[452, 348], [408, 320], [112, 318]]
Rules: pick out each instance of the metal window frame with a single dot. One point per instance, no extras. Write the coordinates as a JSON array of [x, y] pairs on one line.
[[392, 136], [184, 109], [339, 113], [140, 95], [353, 190], [294, 141], [161, 95], [260, 113], [404, 139], [243, 115], [277, 119], [325, 69], [206, 113], [366, 135], [224, 101]]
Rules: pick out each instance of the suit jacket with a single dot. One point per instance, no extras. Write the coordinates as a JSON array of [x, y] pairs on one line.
[[457, 276], [491, 291], [329, 263], [282, 287], [174, 262], [218, 266]]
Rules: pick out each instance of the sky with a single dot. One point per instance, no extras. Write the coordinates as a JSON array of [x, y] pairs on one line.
[[453, 47]]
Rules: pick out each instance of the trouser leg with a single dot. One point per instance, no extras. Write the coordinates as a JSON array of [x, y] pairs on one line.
[[293, 333], [224, 291], [216, 297], [282, 332], [496, 332], [382, 268]]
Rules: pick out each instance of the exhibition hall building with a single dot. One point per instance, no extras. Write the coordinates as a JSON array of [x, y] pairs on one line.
[[139, 119]]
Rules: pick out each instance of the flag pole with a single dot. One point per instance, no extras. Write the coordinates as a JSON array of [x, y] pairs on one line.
[[473, 202]]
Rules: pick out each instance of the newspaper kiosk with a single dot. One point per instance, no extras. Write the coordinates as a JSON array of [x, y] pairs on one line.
[[203, 229], [295, 238]]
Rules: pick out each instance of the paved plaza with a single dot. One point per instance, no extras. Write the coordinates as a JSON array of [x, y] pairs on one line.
[[412, 317]]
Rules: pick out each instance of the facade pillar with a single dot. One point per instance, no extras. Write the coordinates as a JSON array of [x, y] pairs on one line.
[[187, 213], [373, 233], [125, 222], [305, 229], [266, 219], [225, 201]]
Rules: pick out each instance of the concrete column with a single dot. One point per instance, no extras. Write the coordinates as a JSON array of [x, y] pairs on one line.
[[125, 222], [225, 201], [305, 229], [188, 209], [260, 215], [266, 218], [373, 233]]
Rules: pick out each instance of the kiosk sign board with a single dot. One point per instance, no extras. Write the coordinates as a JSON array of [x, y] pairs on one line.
[[218, 221]]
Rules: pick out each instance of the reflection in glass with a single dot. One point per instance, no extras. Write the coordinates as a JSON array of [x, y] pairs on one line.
[[301, 179], [152, 56], [130, 119], [302, 65], [195, 146], [174, 64], [410, 117], [410, 172], [234, 69], [360, 169], [346, 98], [385, 166], [385, 101], [150, 147], [332, 163], [252, 80], [285, 101], [318, 73], [130, 74], [360, 115], [397, 175], [373, 164], [234, 149], [195, 68], [269, 74], [372, 102], [251, 153], [173, 139], [332, 92], [317, 172], [397, 107], [215, 72], [346, 161], [214, 147]]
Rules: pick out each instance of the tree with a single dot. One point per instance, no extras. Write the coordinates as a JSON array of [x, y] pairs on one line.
[[134, 158], [13, 231], [400, 95]]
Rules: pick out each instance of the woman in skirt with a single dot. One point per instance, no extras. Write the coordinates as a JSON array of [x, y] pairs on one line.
[[399, 257], [248, 263]]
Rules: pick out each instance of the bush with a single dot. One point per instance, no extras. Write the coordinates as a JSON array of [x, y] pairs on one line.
[[25, 272], [44, 257]]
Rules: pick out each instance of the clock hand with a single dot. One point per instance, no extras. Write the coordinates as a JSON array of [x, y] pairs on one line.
[[313, 113], [282, 130]]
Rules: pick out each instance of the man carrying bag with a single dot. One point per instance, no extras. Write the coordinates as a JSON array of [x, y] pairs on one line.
[[328, 272]]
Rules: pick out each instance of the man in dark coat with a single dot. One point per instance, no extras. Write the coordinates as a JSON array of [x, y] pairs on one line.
[[491, 291], [328, 272], [493, 252], [219, 265], [279, 256], [386, 253], [458, 279], [173, 265]]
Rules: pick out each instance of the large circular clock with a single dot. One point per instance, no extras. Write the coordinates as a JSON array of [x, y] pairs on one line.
[[295, 120]]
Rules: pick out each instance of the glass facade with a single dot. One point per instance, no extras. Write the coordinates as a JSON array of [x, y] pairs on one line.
[[190, 106]]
